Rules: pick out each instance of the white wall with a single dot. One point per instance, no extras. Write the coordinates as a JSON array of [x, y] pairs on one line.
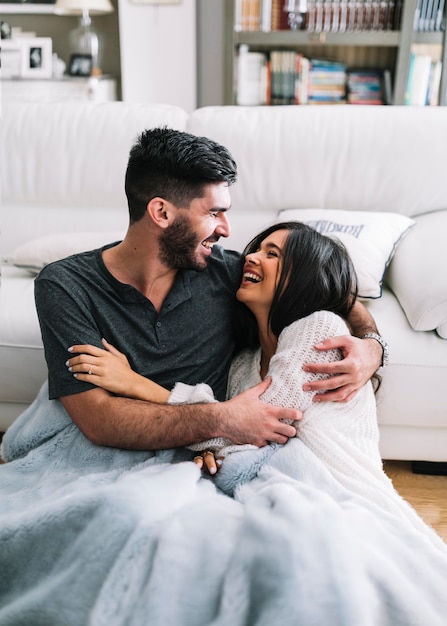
[[158, 53]]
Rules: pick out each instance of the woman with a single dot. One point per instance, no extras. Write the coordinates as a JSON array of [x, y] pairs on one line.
[[297, 288]]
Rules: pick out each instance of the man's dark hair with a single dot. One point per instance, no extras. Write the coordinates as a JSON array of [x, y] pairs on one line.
[[176, 166]]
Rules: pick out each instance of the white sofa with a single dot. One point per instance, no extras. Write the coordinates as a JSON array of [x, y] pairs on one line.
[[62, 168]]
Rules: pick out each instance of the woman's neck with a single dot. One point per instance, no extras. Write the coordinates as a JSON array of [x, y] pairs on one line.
[[269, 343]]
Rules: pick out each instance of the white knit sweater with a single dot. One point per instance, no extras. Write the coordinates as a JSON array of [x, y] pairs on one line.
[[344, 436], [335, 431]]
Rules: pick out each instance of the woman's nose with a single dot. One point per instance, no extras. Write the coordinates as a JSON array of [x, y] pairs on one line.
[[252, 258]]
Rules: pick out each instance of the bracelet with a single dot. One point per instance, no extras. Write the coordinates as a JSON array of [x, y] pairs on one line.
[[383, 343]]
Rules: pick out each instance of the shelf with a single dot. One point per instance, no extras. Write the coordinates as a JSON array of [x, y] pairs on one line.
[[280, 38], [26, 9], [259, 39], [429, 38]]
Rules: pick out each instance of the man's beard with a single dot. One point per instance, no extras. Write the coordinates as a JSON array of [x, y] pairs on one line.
[[178, 246]]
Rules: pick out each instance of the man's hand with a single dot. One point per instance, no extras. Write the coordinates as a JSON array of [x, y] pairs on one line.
[[246, 419], [361, 359]]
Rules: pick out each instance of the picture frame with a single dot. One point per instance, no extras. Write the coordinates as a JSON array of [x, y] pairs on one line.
[[80, 65], [36, 57]]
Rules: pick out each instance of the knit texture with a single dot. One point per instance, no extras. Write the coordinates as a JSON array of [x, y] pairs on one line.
[[189, 394], [344, 436]]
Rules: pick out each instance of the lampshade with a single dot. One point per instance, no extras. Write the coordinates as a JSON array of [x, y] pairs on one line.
[[77, 7]]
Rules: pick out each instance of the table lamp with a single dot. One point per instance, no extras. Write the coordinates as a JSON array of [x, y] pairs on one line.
[[84, 39]]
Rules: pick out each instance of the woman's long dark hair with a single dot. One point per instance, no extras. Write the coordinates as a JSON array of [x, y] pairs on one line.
[[317, 275]]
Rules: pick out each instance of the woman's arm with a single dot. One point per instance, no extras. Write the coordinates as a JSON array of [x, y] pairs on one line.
[[110, 370], [296, 347]]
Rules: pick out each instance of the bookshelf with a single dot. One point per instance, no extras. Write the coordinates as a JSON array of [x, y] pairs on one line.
[[386, 49]]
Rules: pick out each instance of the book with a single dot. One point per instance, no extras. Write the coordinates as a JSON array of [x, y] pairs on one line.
[[418, 79], [283, 69], [238, 15], [266, 16], [327, 82], [301, 79], [365, 86], [434, 83], [251, 77], [440, 16], [280, 19]]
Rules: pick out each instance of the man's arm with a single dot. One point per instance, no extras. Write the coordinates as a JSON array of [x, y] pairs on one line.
[[132, 424], [361, 359]]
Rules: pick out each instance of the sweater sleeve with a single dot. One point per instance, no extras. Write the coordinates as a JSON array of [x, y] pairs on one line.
[[295, 348], [202, 393]]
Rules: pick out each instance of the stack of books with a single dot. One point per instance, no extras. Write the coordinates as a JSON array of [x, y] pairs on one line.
[[365, 86], [327, 82], [289, 77]]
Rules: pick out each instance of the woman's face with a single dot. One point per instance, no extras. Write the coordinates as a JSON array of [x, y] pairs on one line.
[[262, 270]]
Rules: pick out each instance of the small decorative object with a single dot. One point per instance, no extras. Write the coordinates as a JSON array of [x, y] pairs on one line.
[[5, 30], [58, 66], [297, 10], [84, 39], [81, 65], [36, 57]]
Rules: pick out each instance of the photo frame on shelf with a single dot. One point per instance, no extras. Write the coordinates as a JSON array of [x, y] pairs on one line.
[[36, 57], [80, 65]]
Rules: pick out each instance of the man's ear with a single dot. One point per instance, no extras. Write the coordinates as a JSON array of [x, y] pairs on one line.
[[161, 212]]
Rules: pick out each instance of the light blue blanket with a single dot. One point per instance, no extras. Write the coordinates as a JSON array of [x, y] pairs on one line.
[[99, 536]]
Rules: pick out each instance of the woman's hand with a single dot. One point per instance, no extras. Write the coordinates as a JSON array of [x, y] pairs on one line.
[[208, 461], [108, 368]]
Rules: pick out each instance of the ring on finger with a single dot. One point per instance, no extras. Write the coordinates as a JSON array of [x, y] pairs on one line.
[[90, 370]]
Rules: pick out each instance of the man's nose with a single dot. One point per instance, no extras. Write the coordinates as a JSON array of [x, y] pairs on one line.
[[224, 228]]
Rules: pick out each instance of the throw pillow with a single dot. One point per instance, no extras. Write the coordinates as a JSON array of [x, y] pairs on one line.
[[417, 274], [35, 254], [370, 238]]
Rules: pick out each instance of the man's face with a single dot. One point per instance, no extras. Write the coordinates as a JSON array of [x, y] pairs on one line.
[[188, 241]]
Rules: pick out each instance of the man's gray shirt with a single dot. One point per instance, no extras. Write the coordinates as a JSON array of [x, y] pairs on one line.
[[190, 340]]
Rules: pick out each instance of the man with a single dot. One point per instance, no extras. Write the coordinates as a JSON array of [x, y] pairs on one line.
[[165, 298]]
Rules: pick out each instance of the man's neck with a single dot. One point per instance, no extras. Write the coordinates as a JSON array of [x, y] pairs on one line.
[[131, 265]]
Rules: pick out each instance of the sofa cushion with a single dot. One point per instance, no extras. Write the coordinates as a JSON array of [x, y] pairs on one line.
[[370, 238], [35, 254], [442, 330], [417, 274]]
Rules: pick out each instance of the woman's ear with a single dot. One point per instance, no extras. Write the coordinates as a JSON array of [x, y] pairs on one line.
[[161, 212]]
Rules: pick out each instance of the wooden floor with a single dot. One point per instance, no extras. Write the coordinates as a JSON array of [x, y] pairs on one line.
[[427, 494]]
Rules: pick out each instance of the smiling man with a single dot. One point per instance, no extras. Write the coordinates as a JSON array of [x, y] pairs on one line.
[[165, 297]]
